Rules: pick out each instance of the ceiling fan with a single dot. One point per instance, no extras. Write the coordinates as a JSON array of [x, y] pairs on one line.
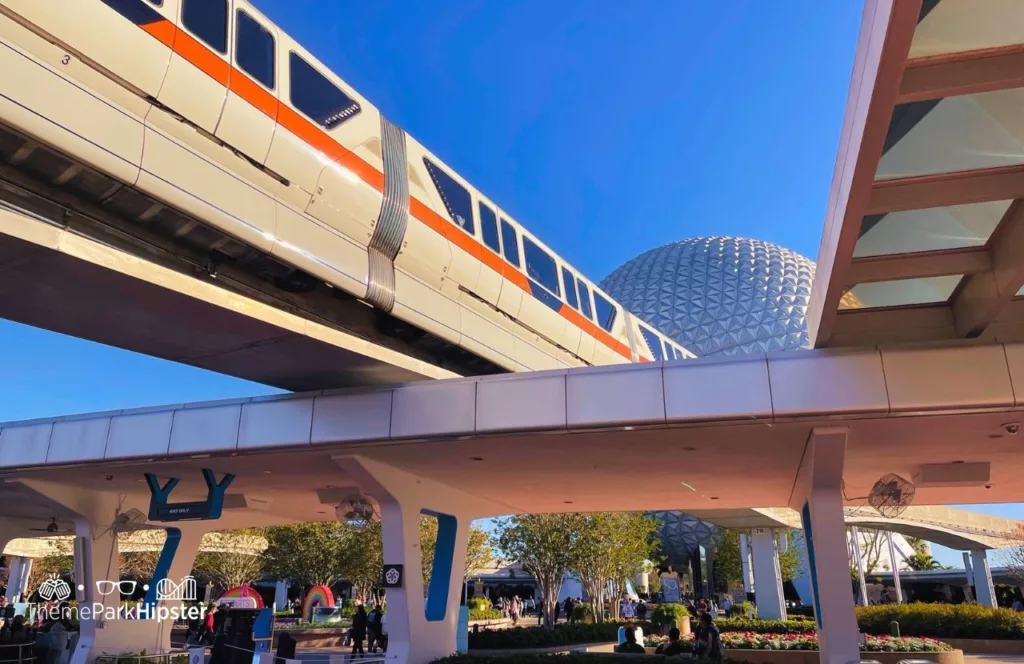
[[53, 528]]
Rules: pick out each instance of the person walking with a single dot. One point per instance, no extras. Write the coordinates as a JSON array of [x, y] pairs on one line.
[[707, 642], [358, 630]]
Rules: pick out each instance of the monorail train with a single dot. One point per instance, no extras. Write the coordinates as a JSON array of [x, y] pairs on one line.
[[208, 109]]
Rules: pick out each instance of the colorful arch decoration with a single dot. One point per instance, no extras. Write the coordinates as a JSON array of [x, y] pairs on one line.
[[317, 596], [239, 592]]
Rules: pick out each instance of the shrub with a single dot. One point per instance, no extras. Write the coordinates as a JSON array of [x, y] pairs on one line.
[[764, 626], [484, 614], [951, 621], [582, 613], [479, 603], [809, 641], [664, 615], [563, 634]]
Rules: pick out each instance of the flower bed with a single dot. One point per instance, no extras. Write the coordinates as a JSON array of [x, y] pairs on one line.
[[543, 637], [809, 641]]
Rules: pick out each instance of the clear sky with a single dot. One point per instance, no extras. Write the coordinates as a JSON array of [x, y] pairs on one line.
[[607, 128]]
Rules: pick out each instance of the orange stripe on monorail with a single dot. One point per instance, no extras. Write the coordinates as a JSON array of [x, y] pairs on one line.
[[238, 82]]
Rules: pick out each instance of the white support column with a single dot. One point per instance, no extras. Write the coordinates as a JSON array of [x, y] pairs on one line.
[[748, 574], [817, 496], [17, 578], [280, 595], [859, 561], [895, 568], [420, 630], [767, 576], [983, 586], [968, 592]]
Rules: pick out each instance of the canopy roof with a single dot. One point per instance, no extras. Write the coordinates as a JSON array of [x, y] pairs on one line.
[[925, 215]]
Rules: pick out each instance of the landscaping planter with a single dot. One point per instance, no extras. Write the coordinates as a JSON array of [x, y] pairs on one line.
[[988, 646], [812, 656]]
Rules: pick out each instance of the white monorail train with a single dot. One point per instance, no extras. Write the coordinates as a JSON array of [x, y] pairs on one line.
[[207, 108]]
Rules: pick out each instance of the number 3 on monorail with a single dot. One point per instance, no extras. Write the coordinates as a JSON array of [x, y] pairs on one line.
[[208, 108]]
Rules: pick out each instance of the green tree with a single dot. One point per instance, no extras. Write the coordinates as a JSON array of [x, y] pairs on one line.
[[610, 548], [923, 561], [730, 565], [57, 561], [478, 550], [232, 558], [308, 554], [544, 544], [917, 544], [362, 561]]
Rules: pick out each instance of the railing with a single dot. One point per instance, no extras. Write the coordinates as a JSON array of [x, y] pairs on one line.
[[132, 658], [18, 652], [329, 657]]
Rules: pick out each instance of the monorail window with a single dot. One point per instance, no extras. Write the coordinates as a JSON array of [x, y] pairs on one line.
[[569, 284], [158, 3], [456, 197], [653, 342], [605, 311], [489, 228], [254, 49], [510, 244], [313, 94], [207, 20], [540, 266], [585, 300]]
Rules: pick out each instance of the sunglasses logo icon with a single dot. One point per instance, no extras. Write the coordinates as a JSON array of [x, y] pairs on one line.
[[125, 587]]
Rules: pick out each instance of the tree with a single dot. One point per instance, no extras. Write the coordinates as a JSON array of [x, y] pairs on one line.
[[1013, 555], [362, 561], [308, 554], [478, 550], [610, 548], [917, 544], [544, 544], [57, 560], [232, 558], [730, 565], [923, 561]]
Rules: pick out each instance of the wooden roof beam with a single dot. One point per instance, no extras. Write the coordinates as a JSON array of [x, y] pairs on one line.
[[942, 189], [869, 269], [984, 295], [970, 72]]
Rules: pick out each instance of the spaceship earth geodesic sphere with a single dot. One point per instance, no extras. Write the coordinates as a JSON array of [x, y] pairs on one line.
[[681, 534], [719, 295]]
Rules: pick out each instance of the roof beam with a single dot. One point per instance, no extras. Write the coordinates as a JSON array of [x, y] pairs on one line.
[[970, 72], [928, 191], [970, 260], [887, 28], [914, 324], [985, 294]]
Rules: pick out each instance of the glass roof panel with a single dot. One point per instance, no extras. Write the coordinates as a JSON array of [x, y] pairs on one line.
[[927, 290], [934, 229], [953, 26], [958, 133], [1020, 291]]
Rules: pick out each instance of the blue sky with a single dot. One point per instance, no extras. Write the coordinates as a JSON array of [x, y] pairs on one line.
[[607, 128]]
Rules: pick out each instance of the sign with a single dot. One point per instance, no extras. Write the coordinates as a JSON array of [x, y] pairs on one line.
[[160, 510], [197, 656], [393, 576], [670, 589]]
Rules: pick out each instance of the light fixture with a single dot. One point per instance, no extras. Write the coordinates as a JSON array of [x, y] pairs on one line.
[[567, 502], [267, 472], [476, 458], [713, 498], [688, 449], [688, 486]]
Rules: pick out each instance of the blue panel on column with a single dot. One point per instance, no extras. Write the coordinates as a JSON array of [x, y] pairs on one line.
[[163, 567], [441, 575], [805, 517]]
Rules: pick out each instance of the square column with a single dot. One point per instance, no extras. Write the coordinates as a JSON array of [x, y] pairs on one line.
[[422, 621], [748, 575], [817, 496], [983, 586], [767, 576]]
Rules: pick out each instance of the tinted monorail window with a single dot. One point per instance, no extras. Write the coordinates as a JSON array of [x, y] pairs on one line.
[[158, 3], [509, 244], [489, 228], [208, 20], [456, 197], [569, 284], [313, 94], [653, 342], [540, 266], [585, 301], [605, 311], [254, 49]]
